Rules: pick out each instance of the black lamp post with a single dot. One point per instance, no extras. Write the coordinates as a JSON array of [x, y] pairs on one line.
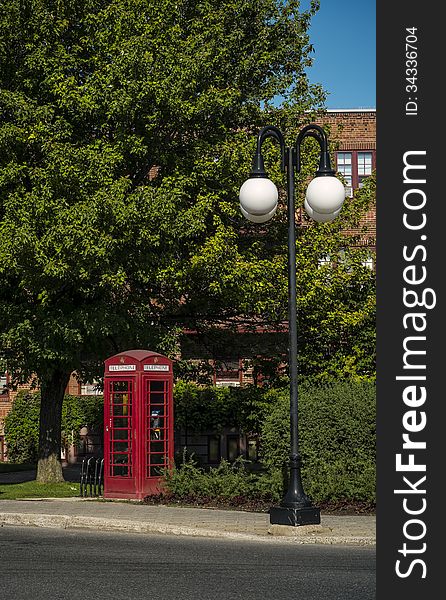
[[258, 202]]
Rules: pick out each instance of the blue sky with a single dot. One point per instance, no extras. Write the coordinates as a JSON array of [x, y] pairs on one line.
[[343, 34]]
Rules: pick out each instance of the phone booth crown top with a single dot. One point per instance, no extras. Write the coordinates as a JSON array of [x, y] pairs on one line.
[[137, 361]]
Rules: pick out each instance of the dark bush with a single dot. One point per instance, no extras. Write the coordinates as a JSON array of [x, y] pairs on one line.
[[22, 428], [225, 483], [337, 440]]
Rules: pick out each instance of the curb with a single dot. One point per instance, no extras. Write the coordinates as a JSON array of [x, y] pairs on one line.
[[309, 535]]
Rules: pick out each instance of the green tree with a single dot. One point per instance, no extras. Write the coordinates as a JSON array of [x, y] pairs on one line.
[[335, 288], [337, 300], [96, 255]]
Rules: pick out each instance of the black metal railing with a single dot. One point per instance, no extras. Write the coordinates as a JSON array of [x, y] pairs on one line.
[[91, 482]]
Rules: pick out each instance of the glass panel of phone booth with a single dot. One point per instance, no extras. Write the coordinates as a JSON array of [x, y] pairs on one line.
[[121, 395], [157, 421]]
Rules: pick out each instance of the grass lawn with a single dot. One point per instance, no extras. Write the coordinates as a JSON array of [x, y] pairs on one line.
[[33, 489]]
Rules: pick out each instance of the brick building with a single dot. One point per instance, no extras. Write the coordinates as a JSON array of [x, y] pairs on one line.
[[354, 133]]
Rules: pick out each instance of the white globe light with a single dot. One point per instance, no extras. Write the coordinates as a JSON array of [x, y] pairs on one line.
[[320, 217], [258, 196], [325, 194], [258, 218]]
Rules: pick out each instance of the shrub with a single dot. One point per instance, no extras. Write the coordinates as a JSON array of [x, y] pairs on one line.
[[22, 428], [226, 482], [337, 440], [22, 423]]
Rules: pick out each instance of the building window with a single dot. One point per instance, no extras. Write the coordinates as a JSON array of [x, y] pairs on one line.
[[90, 389], [364, 166], [253, 450], [324, 259], [344, 160], [355, 166], [369, 263], [228, 373], [233, 446], [214, 449], [3, 384]]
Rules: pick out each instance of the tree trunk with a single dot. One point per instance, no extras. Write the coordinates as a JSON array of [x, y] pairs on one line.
[[52, 390]]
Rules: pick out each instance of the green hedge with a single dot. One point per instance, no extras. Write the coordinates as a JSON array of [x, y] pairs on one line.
[[199, 408], [22, 428], [337, 436], [22, 423], [337, 440], [337, 444]]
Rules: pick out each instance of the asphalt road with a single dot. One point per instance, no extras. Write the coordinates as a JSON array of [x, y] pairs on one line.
[[44, 563]]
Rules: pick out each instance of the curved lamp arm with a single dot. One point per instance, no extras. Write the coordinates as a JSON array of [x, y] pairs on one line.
[[319, 134], [258, 167]]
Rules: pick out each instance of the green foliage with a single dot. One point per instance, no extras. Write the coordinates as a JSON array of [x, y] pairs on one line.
[[95, 256], [213, 408], [22, 423], [337, 439], [225, 482], [337, 436], [91, 409], [78, 412], [22, 428], [336, 301], [201, 408]]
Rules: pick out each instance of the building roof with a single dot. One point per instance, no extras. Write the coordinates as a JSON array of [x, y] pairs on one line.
[[350, 110]]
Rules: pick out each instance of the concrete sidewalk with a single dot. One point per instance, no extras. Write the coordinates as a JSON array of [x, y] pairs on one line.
[[80, 513]]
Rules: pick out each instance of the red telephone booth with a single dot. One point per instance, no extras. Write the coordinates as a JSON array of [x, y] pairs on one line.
[[138, 423]]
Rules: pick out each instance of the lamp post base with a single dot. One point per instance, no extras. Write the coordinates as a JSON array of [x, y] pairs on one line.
[[284, 515]]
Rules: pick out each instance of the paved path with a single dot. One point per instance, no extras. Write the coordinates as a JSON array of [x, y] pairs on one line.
[[139, 518], [70, 473], [17, 476], [69, 513]]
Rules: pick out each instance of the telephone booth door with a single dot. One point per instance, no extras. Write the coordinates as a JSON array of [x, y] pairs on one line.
[[158, 420], [120, 438], [138, 423]]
